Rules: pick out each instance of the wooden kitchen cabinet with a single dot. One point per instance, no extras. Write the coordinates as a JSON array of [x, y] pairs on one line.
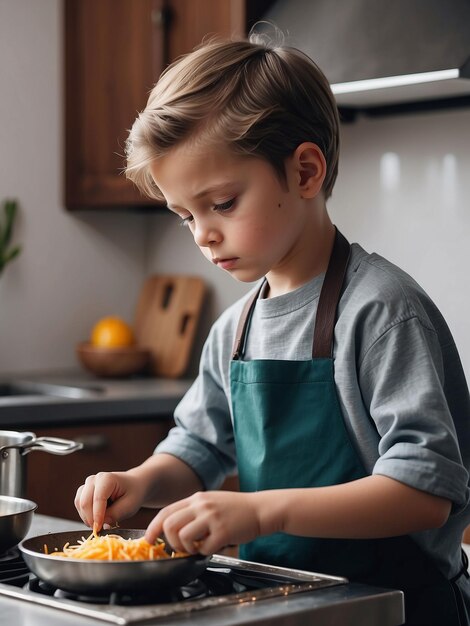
[[106, 83], [53, 480], [114, 52]]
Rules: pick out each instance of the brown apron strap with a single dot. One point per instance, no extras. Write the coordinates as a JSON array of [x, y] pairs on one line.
[[329, 298], [242, 327], [327, 304]]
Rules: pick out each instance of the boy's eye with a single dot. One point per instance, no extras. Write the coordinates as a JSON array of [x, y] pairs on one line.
[[185, 221], [225, 206], [222, 207]]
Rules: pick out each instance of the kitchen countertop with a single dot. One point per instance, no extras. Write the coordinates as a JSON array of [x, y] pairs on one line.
[[345, 605], [94, 398]]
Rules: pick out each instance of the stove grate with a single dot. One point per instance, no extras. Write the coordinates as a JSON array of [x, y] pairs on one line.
[[13, 570]]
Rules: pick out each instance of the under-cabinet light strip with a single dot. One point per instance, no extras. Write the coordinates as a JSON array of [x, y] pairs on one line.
[[394, 81]]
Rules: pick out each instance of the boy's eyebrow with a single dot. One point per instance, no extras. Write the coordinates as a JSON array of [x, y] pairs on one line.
[[212, 188], [204, 192]]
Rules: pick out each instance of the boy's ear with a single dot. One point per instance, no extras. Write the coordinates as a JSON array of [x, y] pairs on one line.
[[310, 166]]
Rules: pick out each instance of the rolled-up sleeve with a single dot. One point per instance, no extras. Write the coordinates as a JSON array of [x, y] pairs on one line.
[[203, 436], [402, 382]]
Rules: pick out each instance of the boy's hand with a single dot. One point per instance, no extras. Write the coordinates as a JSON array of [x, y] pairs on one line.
[[161, 479], [121, 488], [207, 522]]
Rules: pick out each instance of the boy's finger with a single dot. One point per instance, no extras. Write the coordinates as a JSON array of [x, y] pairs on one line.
[[84, 504], [155, 527], [100, 503], [193, 536], [77, 499]]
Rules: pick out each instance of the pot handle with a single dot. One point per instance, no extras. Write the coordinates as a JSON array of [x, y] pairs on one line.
[[53, 445]]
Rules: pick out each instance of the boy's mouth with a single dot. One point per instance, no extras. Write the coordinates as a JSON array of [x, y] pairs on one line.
[[225, 264]]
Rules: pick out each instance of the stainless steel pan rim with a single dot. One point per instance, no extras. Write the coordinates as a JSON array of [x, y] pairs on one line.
[[16, 515], [10, 505], [100, 577]]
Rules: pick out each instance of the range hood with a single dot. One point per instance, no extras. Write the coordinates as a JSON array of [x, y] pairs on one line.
[[383, 54]]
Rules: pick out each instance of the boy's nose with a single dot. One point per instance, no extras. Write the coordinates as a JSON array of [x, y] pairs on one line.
[[205, 234]]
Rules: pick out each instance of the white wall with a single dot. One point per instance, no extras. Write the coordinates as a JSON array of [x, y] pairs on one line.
[[404, 191], [74, 268]]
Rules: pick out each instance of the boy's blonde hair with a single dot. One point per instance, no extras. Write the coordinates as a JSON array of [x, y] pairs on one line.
[[258, 100]]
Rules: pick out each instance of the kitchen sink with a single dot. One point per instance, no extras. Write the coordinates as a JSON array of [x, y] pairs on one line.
[[26, 388]]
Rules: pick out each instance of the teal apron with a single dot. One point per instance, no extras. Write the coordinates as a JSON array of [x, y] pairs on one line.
[[290, 433]]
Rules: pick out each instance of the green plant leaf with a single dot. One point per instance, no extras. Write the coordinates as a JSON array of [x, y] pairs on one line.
[[10, 213], [14, 252], [6, 231]]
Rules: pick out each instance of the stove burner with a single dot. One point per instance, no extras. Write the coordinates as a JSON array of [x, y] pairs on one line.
[[209, 584], [192, 591], [13, 570], [13, 553]]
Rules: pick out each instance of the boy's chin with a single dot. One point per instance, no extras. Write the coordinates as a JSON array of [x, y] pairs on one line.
[[244, 276]]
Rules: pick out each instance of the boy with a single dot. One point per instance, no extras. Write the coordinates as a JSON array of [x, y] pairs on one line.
[[334, 387]]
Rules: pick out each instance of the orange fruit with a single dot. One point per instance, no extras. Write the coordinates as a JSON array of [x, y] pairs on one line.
[[112, 332]]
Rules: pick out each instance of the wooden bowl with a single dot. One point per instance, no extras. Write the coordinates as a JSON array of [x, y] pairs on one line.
[[112, 362]]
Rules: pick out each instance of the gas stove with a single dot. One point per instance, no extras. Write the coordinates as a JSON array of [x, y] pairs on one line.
[[230, 592], [225, 582]]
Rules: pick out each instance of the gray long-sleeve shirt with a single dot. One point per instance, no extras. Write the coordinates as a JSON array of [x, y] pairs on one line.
[[399, 380]]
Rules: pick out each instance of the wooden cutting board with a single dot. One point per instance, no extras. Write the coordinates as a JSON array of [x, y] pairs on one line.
[[167, 315]]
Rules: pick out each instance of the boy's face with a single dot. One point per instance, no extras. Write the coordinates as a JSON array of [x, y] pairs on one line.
[[242, 217]]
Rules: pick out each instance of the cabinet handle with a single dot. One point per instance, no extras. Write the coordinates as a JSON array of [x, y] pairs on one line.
[[93, 443]]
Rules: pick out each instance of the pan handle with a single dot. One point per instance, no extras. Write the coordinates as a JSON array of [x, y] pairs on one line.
[[53, 445]]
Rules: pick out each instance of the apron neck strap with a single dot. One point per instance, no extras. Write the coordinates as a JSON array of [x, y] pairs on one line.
[[240, 335], [327, 304], [329, 298]]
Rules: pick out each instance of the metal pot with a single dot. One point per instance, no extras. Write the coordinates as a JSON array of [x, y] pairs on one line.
[[16, 516], [14, 446]]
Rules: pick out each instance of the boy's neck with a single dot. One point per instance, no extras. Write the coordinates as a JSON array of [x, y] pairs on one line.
[[310, 260]]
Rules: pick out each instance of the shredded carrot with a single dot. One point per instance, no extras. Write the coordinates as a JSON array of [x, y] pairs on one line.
[[114, 548]]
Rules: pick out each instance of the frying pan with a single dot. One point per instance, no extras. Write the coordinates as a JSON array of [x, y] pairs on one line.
[[101, 577], [16, 515]]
